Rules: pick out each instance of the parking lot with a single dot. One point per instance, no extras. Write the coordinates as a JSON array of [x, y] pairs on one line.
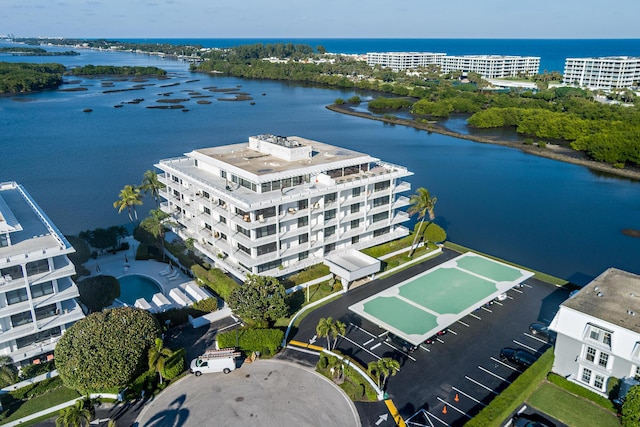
[[452, 379]]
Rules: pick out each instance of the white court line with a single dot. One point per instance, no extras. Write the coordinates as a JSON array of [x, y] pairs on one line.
[[462, 323], [369, 342], [453, 407], [535, 338], [473, 315], [467, 395], [397, 349], [504, 364], [486, 309], [363, 330], [480, 384], [526, 346], [436, 418], [495, 375], [359, 346], [376, 346]]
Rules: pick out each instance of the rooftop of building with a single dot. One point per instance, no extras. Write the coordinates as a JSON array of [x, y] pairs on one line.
[[28, 227], [613, 296], [493, 57], [606, 58]]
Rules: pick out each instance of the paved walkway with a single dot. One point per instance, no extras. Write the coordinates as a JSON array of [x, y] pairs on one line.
[[268, 393]]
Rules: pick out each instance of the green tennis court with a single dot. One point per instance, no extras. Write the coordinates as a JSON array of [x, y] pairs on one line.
[[431, 301]]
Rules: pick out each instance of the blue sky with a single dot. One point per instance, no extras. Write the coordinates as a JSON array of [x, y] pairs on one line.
[[321, 19]]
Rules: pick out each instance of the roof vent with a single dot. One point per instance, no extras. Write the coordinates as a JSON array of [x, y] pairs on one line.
[[599, 294], [631, 312], [596, 288]]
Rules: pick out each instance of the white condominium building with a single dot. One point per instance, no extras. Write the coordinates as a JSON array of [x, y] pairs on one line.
[[275, 205], [603, 73], [37, 295], [404, 60], [492, 66]]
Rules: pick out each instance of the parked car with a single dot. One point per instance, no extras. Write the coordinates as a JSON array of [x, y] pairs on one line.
[[520, 357], [434, 338], [541, 330], [406, 346]]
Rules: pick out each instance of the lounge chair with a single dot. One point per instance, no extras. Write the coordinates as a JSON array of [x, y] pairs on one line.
[[165, 271]]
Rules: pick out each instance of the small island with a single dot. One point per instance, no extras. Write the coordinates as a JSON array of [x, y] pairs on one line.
[[24, 78], [35, 51]]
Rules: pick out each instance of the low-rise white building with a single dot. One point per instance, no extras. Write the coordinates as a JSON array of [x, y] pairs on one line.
[[404, 60], [492, 66], [598, 331], [275, 205], [603, 73], [37, 294]]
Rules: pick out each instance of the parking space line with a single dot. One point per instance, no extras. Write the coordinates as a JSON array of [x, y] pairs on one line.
[[397, 349], [424, 348], [486, 309], [375, 346], [369, 342], [436, 418], [498, 303], [363, 330], [505, 364], [535, 338], [452, 331], [527, 285], [453, 407], [359, 346], [467, 395], [480, 384], [495, 375], [517, 290], [381, 335], [473, 315], [462, 323], [510, 297], [526, 346]]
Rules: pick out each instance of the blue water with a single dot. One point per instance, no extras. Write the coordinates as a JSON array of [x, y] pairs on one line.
[[135, 286], [552, 52], [551, 216]]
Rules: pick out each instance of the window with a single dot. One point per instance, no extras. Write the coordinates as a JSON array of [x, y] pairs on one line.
[[329, 231], [355, 223], [600, 335], [598, 382], [591, 354], [330, 214], [41, 289], [223, 219], [380, 216], [21, 319], [303, 221], [268, 248], [244, 249], [46, 311], [637, 373], [355, 239], [604, 358], [265, 231], [380, 201], [303, 238], [269, 266], [330, 247], [303, 204], [378, 186], [40, 336], [355, 192], [244, 231], [207, 210], [175, 179], [14, 297], [206, 195], [303, 255], [4, 240], [223, 236], [330, 198], [586, 375], [381, 231], [266, 213], [355, 208], [36, 267]]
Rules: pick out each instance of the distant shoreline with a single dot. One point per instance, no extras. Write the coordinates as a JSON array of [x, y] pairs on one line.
[[554, 152]]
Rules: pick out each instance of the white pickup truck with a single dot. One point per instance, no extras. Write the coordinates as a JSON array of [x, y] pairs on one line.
[[223, 360]]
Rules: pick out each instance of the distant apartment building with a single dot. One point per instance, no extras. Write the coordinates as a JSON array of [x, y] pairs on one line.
[[404, 60], [598, 331], [603, 73], [37, 294], [492, 66], [275, 205], [488, 66]]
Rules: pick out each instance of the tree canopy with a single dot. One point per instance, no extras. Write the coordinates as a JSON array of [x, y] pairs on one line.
[[631, 408], [98, 292], [260, 299], [23, 77], [106, 350]]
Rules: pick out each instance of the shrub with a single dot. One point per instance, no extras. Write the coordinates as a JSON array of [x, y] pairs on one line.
[[216, 280], [578, 390], [266, 341], [142, 382], [339, 101], [175, 364], [33, 370], [98, 292], [207, 305]]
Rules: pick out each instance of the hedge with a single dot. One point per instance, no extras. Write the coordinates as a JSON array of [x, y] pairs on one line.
[[578, 390], [175, 364], [266, 341], [512, 397], [216, 280]]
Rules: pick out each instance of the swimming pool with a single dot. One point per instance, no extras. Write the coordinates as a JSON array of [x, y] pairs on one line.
[[135, 286]]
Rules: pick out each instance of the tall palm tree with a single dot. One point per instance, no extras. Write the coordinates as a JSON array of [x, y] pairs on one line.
[[388, 367], [76, 415], [151, 185], [324, 328], [422, 204], [156, 224], [374, 370], [338, 328], [129, 198], [158, 355], [8, 372]]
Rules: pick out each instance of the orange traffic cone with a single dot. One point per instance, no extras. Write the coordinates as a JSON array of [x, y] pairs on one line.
[[457, 399], [444, 410]]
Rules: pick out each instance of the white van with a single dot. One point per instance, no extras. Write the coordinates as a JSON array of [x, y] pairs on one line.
[[214, 361]]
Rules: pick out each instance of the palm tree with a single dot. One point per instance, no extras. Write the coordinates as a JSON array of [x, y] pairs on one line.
[[337, 329], [156, 224], [388, 367], [8, 372], [130, 197], [324, 329], [374, 370], [422, 204], [76, 415], [158, 355], [151, 185]]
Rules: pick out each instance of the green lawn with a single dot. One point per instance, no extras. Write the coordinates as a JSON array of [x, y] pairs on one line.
[[45, 401], [569, 408]]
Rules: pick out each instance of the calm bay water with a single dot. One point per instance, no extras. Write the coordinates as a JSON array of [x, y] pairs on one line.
[[548, 215]]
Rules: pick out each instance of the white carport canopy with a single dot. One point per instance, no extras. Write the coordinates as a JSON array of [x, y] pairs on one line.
[[352, 265]]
